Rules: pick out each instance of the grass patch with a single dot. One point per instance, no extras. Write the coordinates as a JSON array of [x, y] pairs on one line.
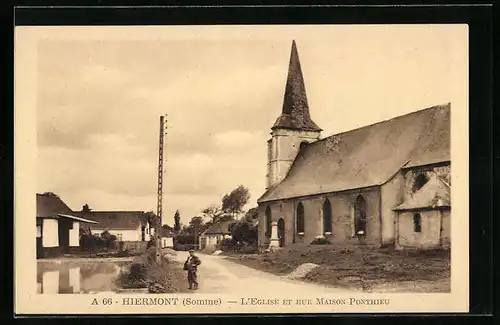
[[144, 272], [361, 267]]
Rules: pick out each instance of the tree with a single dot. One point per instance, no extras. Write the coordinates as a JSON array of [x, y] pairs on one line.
[[109, 240], [252, 214], [212, 212], [195, 226], [245, 230], [234, 202], [177, 222], [195, 222], [153, 219], [167, 227]]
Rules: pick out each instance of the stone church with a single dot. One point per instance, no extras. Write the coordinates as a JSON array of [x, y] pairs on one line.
[[383, 184]]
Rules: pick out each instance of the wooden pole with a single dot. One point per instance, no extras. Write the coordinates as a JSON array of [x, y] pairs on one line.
[[159, 207]]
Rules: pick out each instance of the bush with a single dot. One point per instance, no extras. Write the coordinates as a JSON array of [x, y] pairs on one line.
[[320, 241], [226, 243], [183, 247], [244, 232], [144, 272], [184, 239]]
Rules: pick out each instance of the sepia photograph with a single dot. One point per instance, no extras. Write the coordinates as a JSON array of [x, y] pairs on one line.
[[235, 169]]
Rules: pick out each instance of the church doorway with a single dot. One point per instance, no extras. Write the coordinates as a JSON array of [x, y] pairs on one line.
[[281, 232], [360, 216]]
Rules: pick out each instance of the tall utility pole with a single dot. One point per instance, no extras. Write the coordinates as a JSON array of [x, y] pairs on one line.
[[159, 212]]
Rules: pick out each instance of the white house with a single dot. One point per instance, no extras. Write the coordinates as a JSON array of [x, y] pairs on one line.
[[127, 226], [167, 238], [58, 228], [215, 234]]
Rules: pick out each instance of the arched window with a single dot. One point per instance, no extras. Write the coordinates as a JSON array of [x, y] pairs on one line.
[[417, 222], [360, 216], [327, 216], [268, 221], [300, 218], [419, 182]]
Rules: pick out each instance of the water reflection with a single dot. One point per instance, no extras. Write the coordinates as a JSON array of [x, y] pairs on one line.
[[76, 277]]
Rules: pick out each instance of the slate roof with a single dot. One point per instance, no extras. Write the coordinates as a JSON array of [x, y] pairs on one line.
[[126, 220], [220, 228], [49, 206], [295, 112], [435, 193], [367, 156]]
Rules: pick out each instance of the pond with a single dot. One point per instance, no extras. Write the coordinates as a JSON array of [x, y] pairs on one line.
[[79, 275]]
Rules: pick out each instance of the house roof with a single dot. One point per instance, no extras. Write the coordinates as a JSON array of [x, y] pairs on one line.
[[295, 113], [221, 227], [115, 219], [52, 206], [367, 156], [49, 206], [76, 218], [434, 194]]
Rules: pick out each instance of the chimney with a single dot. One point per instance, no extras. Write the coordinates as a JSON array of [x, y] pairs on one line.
[[86, 208]]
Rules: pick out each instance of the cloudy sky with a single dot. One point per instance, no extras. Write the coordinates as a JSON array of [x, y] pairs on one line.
[[99, 102]]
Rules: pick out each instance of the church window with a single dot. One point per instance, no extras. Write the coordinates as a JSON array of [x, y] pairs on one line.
[[360, 216], [300, 218], [419, 182], [417, 223], [327, 217], [268, 221]]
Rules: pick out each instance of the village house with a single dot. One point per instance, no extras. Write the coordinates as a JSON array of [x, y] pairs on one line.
[[211, 237], [167, 238], [127, 226], [58, 228], [383, 184]]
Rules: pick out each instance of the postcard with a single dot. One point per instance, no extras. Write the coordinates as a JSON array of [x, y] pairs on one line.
[[241, 169]]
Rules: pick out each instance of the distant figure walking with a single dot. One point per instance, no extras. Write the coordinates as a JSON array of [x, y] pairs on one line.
[[191, 266]]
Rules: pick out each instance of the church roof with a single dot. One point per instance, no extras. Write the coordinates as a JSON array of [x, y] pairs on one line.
[[435, 193], [367, 156], [295, 112]]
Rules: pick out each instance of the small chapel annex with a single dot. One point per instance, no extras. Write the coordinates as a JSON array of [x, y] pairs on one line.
[[383, 184]]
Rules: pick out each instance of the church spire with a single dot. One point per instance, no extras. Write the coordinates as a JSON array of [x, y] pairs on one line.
[[295, 112]]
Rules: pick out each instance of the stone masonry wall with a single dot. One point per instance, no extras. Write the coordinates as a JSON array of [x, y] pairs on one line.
[[342, 217]]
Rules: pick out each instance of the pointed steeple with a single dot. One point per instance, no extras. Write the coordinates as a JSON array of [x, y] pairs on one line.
[[295, 113]]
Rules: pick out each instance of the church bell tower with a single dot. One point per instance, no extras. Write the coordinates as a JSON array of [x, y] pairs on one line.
[[293, 128]]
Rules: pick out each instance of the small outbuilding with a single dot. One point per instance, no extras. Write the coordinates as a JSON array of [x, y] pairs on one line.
[[215, 234]]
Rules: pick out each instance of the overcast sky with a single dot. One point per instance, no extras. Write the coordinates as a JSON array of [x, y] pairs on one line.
[[99, 103]]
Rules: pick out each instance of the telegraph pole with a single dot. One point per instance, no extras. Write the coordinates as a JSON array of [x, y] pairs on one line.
[[159, 211]]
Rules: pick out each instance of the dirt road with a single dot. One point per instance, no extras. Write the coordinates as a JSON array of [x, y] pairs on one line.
[[218, 275]]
